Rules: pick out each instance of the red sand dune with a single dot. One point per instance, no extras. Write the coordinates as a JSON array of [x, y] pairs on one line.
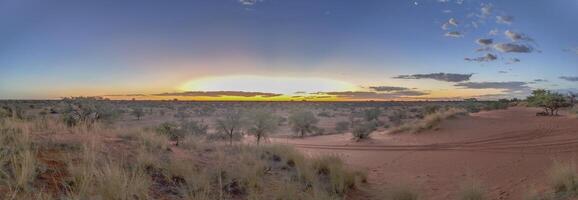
[[509, 151]]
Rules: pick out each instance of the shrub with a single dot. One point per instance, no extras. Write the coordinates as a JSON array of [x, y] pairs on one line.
[[194, 127], [396, 117], [550, 101], [261, 124], [371, 114], [138, 113], [87, 110], [362, 130], [430, 121], [564, 178], [324, 114], [172, 131], [430, 109], [330, 169], [471, 190], [342, 127], [231, 124], [303, 122]]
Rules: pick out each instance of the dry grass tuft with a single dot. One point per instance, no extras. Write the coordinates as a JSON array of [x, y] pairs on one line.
[[429, 121], [471, 190]]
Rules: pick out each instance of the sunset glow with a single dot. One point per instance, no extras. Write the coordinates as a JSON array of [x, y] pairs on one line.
[[287, 50]]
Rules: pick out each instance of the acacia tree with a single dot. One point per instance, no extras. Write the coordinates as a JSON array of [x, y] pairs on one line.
[[138, 113], [303, 122], [371, 114], [550, 101], [172, 131], [87, 110], [231, 123], [262, 123]]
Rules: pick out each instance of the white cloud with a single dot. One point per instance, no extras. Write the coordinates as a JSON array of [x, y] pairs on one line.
[[454, 34], [487, 58], [493, 32], [513, 48], [485, 41], [487, 9], [514, 36], [504, 19], [249, 2]]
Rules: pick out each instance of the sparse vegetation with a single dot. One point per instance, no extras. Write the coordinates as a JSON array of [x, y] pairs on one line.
[[342, 126], [261, 124], [362, 130], [550, 101], [401, 193], [430, 121], [564, 179], [231, 124], [303, 122], [471, 190], [138, 113]]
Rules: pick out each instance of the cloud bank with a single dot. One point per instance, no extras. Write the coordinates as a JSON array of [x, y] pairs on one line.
[[447, 77]]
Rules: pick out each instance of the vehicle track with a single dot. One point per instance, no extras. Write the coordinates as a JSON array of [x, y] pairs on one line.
[[540, 139]]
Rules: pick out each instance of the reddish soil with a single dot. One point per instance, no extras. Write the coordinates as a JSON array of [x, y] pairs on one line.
[[509, 151]]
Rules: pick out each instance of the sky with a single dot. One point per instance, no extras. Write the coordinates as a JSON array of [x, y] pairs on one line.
[[318, 50]]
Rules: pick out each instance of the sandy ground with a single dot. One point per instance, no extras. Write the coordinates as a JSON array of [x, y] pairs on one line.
[[509, 151]]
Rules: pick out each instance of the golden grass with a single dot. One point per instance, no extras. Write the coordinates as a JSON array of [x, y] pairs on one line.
[[119, 163], [429, 121], [471, 190], [564, 178]]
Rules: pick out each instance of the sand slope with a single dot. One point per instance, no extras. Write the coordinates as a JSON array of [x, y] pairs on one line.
[[509, 151]]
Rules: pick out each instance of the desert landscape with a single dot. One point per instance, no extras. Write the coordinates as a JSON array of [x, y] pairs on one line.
[[95, 148], [288, 100]]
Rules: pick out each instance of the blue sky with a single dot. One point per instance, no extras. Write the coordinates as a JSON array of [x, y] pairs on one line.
[[52, 49]]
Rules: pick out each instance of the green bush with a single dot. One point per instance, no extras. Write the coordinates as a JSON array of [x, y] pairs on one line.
[[303, 122], [172, 131], [342, 127], [362, 130]]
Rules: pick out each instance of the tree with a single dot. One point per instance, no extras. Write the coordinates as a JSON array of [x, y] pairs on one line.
[[371, 114], [262, 123], [172, 131], [303, 122], [230, 124], [87, 110], [550, 101], [138, 113], [194, 127], [362, 130], [342, 126]]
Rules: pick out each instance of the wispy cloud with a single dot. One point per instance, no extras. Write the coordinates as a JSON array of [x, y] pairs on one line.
[[454, 34], [485, 41], [513, 48], [511, 86], [218, 94], [487, 9], [249, 2], [515, 36], [512, 61], [487, 58], [387, 88], [504, 19], [358, 95], [570, 78], [447, 77]]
